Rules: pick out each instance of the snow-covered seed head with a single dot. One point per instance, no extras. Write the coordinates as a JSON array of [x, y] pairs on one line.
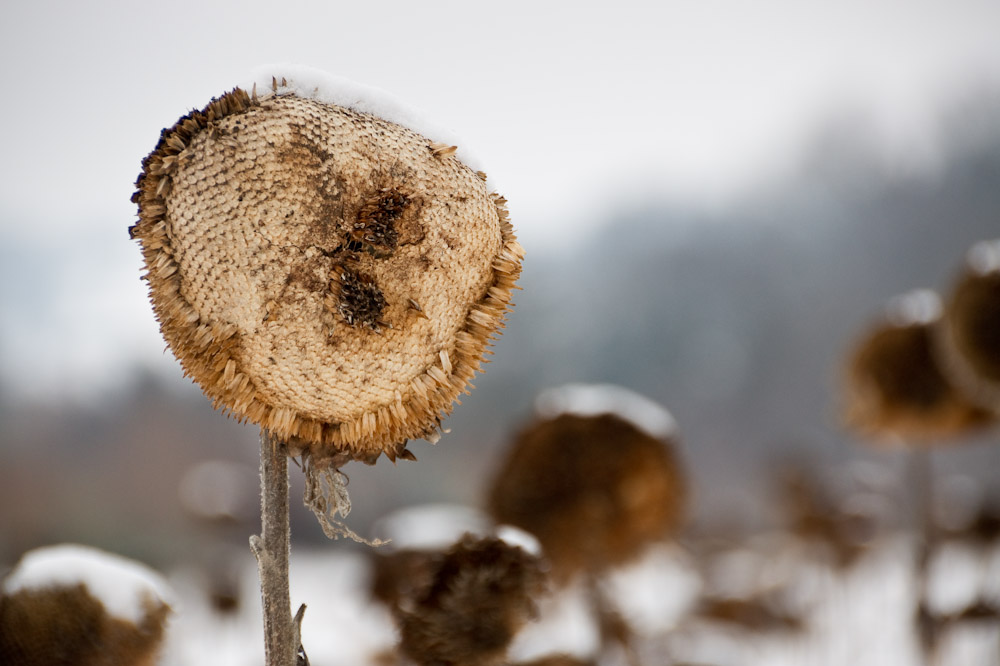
[[76, 605], [895, 389], [595, 490], [327, 274], [970, 331]]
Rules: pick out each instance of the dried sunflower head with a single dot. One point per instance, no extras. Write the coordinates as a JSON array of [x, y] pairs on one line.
[[480, 593], [76, 605], [322, 272], [595, 490], [894, 385], [970, 330]]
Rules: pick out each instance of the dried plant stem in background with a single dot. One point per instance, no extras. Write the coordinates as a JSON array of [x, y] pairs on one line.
[[613, 628], [271, 549], [923, 489]]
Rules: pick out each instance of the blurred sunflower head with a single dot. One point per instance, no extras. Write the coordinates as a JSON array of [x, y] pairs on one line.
[[476, 596], [894, 386], [594, 489]]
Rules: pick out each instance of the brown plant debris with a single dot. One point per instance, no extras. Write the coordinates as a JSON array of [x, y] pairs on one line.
[[321, 272], [480, 593], [594, 490], [756, 614], [818, 519], [895, 388], [557, 660]]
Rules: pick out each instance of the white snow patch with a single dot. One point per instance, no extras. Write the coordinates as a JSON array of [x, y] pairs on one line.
[[597, 399], [311, 83], [122, 585], [954, 578], [984, 257], [431, 526], [342, 625], [917, 307], [655, 592], [515, 536], [565, 625]]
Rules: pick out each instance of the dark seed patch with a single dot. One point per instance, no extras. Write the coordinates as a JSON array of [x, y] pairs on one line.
[[356, 298], [375, 229]]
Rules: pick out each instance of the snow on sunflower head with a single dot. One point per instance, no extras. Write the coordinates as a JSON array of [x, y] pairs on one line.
[[319, 270]]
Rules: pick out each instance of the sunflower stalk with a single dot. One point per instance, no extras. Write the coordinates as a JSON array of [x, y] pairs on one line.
[[271, 549]]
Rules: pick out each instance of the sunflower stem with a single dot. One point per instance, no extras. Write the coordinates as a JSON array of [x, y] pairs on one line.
[[271, 549]]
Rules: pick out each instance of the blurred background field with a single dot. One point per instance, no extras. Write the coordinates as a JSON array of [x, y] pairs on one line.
[[714, 201]]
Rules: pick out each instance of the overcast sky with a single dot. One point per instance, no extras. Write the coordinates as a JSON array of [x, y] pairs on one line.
[[571, 106]]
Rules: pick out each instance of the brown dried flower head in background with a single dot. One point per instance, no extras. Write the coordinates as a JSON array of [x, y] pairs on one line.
[[66, 625], [970, 330], [895, 387], [322, 272], [594, 490], [480, 594]]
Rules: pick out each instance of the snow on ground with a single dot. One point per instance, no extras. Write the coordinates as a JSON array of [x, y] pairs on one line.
[[564, 626], [861, 615], [342, 626]]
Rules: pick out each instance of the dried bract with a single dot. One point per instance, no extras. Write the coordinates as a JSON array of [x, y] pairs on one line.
[[594, 490], [326, 274]]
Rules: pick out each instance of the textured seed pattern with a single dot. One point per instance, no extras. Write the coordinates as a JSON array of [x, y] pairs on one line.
[[321, 272]]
